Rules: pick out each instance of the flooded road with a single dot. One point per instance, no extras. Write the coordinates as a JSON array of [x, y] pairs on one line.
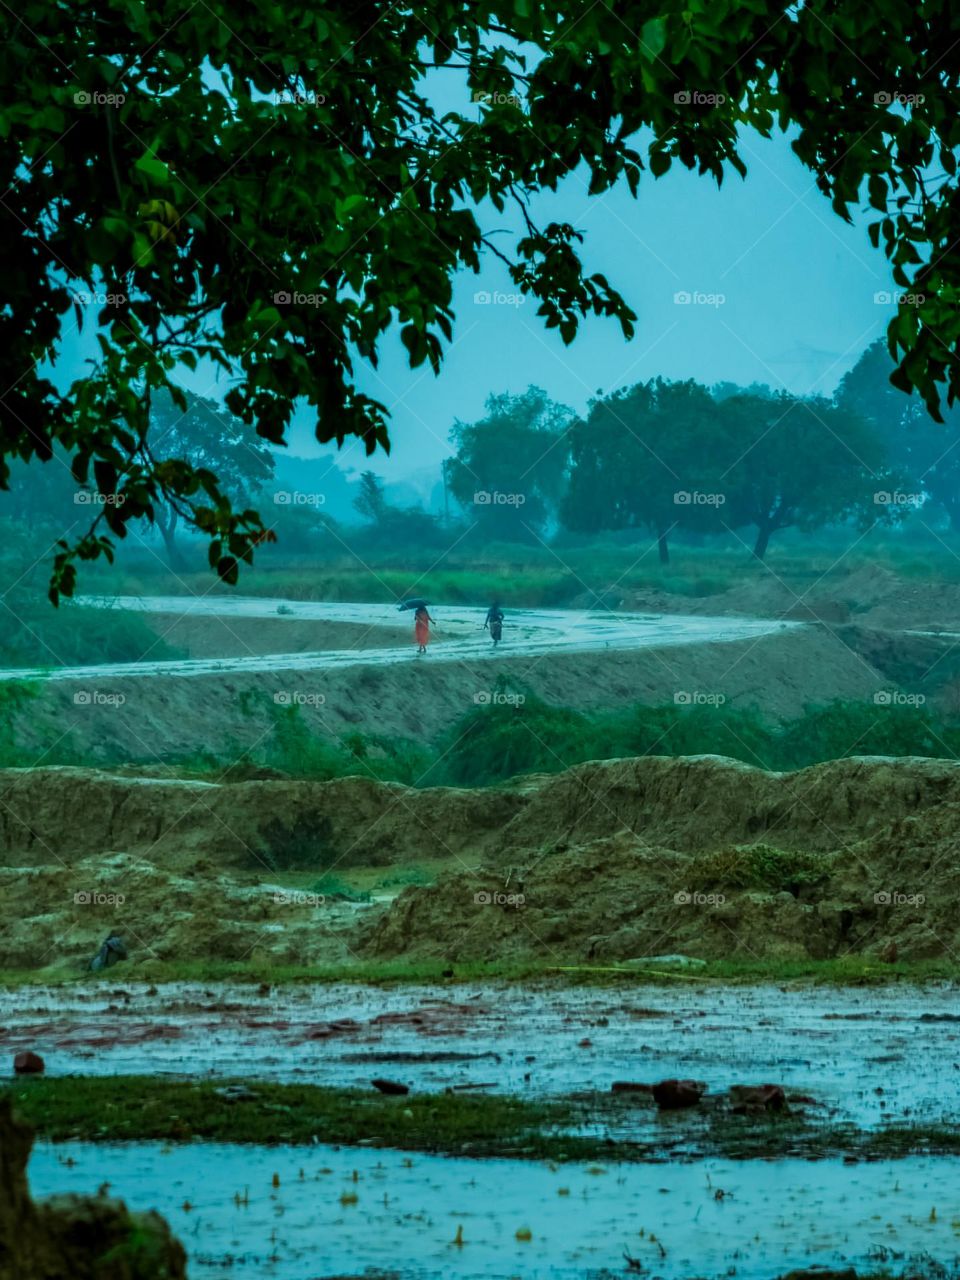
[[527, 632], [868, 1056], [307, 1213]]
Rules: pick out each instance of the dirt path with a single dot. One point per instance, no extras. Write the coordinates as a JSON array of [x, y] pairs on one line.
[[528, 633]]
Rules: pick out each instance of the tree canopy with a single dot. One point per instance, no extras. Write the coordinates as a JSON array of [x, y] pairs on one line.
[[270, 189]]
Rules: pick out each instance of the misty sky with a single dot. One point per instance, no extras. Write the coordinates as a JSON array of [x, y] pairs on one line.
[[799, 285]]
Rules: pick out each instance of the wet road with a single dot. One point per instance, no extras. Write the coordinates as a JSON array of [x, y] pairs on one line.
[[527, 633]]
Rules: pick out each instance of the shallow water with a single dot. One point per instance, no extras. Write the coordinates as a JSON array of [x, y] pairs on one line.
[[527, 632], [769, 1217], [871, 1056]]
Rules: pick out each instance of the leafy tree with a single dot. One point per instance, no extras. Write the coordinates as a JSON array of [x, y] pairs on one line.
[[271, 189], [205, 438], [371, 501], [508, 470], [927, 452], [644, 458], [799, 462]]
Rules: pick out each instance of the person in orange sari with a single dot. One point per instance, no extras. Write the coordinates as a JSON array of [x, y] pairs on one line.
[[422, 621]]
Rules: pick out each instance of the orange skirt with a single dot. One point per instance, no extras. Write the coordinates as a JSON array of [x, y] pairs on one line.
[[423, 632]]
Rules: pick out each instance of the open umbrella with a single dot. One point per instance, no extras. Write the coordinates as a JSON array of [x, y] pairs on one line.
[[415, 603]]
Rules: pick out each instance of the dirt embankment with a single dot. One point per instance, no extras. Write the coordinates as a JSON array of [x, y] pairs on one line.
[[610, 861], [207, 636], [870, 595], [80, 1237], [157, 717]]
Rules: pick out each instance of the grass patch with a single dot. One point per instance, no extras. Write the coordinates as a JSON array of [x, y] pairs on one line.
[[142, 1108], [759, 866], [850, 970]]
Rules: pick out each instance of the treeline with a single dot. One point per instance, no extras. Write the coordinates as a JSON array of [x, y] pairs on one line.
[[679, 458], [661, 459]]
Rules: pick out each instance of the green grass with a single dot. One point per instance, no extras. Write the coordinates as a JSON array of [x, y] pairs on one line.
[[36, 635], [844, 971], [143, 1108]]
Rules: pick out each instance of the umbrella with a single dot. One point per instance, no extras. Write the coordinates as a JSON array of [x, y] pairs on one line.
[[416, 603]]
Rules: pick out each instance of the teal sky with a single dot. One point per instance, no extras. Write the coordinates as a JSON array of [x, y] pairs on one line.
[[799, 305]]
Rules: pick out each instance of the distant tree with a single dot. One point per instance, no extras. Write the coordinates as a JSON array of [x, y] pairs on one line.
[[370, 501], [927, 452], [803, 463], [277, 190], [205, 438], [508, 469], [644, 458]]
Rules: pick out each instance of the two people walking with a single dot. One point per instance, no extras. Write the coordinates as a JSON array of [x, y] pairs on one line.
[[422, 623]]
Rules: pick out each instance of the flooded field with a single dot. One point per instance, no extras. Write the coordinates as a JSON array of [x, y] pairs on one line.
[[869, 1057], [290, 1214]]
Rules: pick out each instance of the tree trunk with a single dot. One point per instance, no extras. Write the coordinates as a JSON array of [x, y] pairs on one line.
[[168, 532], [763, 540], [662, 548]]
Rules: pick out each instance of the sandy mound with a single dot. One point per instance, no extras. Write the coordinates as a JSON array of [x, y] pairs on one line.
[[619, 900], [58, 917], [700, 802], [61, 815], [610, 861]]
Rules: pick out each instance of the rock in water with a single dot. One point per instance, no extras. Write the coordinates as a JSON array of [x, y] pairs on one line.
[[111, 951], [757, 1097], [674, 1095], [80, 1237], [393, 1087], [28, 1064]]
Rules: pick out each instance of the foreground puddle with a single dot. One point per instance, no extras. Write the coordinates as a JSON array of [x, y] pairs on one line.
[[292, 1213], [869, 1056]]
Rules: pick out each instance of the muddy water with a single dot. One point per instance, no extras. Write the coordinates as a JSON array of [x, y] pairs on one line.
[[869, 1056], [338, 1212], [527, 632]]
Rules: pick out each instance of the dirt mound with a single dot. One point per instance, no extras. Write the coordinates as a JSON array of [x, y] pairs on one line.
[[82, 1237], [57, 917], [60, 815], [700, 802], [694, 802], [709, 859]]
